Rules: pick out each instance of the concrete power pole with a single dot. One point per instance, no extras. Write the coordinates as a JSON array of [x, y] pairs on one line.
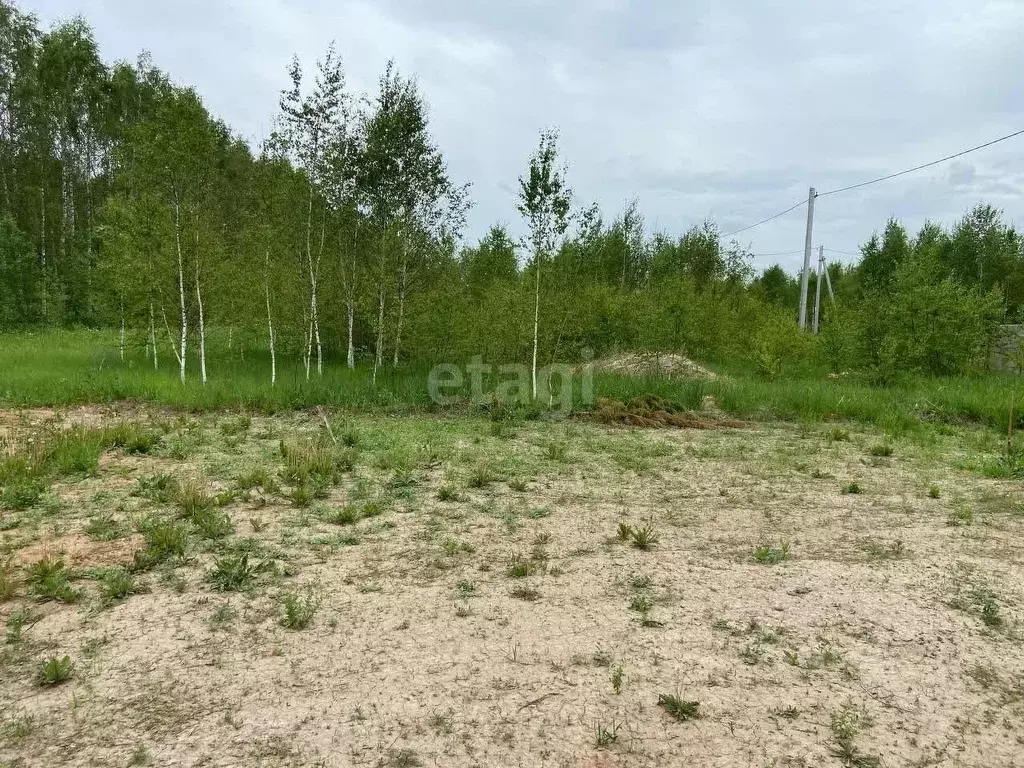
[[817, 288], [807, 259]]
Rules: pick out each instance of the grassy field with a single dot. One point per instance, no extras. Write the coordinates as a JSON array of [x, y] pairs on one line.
[[60, 368], [399, 590]]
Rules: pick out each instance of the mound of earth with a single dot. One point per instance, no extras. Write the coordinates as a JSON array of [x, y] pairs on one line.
[[653, 412], [667, 364]]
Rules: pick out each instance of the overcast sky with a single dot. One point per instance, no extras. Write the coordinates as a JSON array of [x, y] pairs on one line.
[[726, 109]]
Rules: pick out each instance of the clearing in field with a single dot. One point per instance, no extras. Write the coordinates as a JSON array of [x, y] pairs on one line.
[[310, 589]]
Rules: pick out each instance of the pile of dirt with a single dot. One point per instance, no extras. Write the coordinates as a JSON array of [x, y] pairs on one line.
[[667, 364], [653, 412]]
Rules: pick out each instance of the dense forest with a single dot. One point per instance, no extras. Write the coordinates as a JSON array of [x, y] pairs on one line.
[[124, 204]]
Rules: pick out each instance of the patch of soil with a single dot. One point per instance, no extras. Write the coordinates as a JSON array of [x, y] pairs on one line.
[[667, 364], [79, 551]]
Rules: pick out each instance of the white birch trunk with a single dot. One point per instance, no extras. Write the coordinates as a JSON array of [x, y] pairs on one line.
[[180, 351], [121, 338], [536, 323], [270, 322], [152, 336], [401, 313], [202, 319], [351, 359], [379, 351]]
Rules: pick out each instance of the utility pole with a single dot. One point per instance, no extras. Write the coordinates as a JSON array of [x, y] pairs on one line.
[[817, 288], [828, 284], [807, 258]]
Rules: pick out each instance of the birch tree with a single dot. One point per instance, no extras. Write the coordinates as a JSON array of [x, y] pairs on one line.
[[544, 201], [308, 122]]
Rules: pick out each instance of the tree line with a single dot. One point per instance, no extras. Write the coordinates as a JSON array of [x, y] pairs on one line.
[[125, 204]]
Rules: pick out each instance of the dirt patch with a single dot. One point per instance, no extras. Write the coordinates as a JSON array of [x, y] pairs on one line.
[[79, 551], [539, 595], [663, 364]]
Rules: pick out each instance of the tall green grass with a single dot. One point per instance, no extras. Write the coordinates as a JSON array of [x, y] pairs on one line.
[[69, 367]]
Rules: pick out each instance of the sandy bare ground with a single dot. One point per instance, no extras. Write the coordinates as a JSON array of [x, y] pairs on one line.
[[889, 632]]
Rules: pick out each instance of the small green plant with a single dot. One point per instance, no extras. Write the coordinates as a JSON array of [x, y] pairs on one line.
[[641, 604], [845, 725], [8, 579], [49, 579], [140, 756], [605, 736], [259, 479], [161, 489], [257, 525], [524, 592], [625, 532], [556, 451], [851, 488], [960, 516], [481, 476], [681, 709], [55, 670], [117, 585], [347, 515], [233, 573], [767, 554], [519, 567], [837, 435], [465, 587], [934, 492], [164, 540], [517, 484], [641, 581], [103, 527], [298, 609], [17, 622], [990, 614], [644, 537], [881, 450], [21, 495], [449, 493], [212, 524], [618, 676]]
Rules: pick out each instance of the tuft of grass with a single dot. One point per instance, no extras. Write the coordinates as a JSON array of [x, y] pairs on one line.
[[618, 677], [481, 476], [104, 527], [837, 435], [8, 579], [681, 709], [55, 670], [767, 554], [49, 579], [117, 585], [257, 479], [625, 532], [962, 515], [644, 537], [315, 462], [881, 450], [519, 567], [233, 573], [990, 614], [449, 493], [846, 724], [517, 484], [556, 451], [347, 515], [851, 488], [164, 540], [934, 492], [162, 488], [298, 609], [22, 495], [523, 592], [605, 736], [16, 623]]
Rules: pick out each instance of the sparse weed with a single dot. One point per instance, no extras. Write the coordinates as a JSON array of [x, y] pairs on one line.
[[523, 592], [625, 532], [681, 709], [8, 579], [55, 670], [449, 493], [103, 527], [233, 573], [837, 435], [117, 585], [618, 676], [556, 451], [21, 495], [259, 479], [517, 484], [165, 539], [644, 537], [962, 515], [934, 492], [481, 476], [298, 609], [161, 489], [605, 736], [851, 488], [846, 724], [16, 623], [519, 567], [881, 450], [49, 579], [768, 554]]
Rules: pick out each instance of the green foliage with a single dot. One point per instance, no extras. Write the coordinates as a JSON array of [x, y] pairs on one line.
[[768, 554], [164, 540], [49, 579], [681, 709], [55, 670], [233, 573], [299, 608]]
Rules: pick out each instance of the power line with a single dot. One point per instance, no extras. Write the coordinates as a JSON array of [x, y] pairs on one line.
[[779, 253], [765, 221], [845, 253], [920, 167]]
